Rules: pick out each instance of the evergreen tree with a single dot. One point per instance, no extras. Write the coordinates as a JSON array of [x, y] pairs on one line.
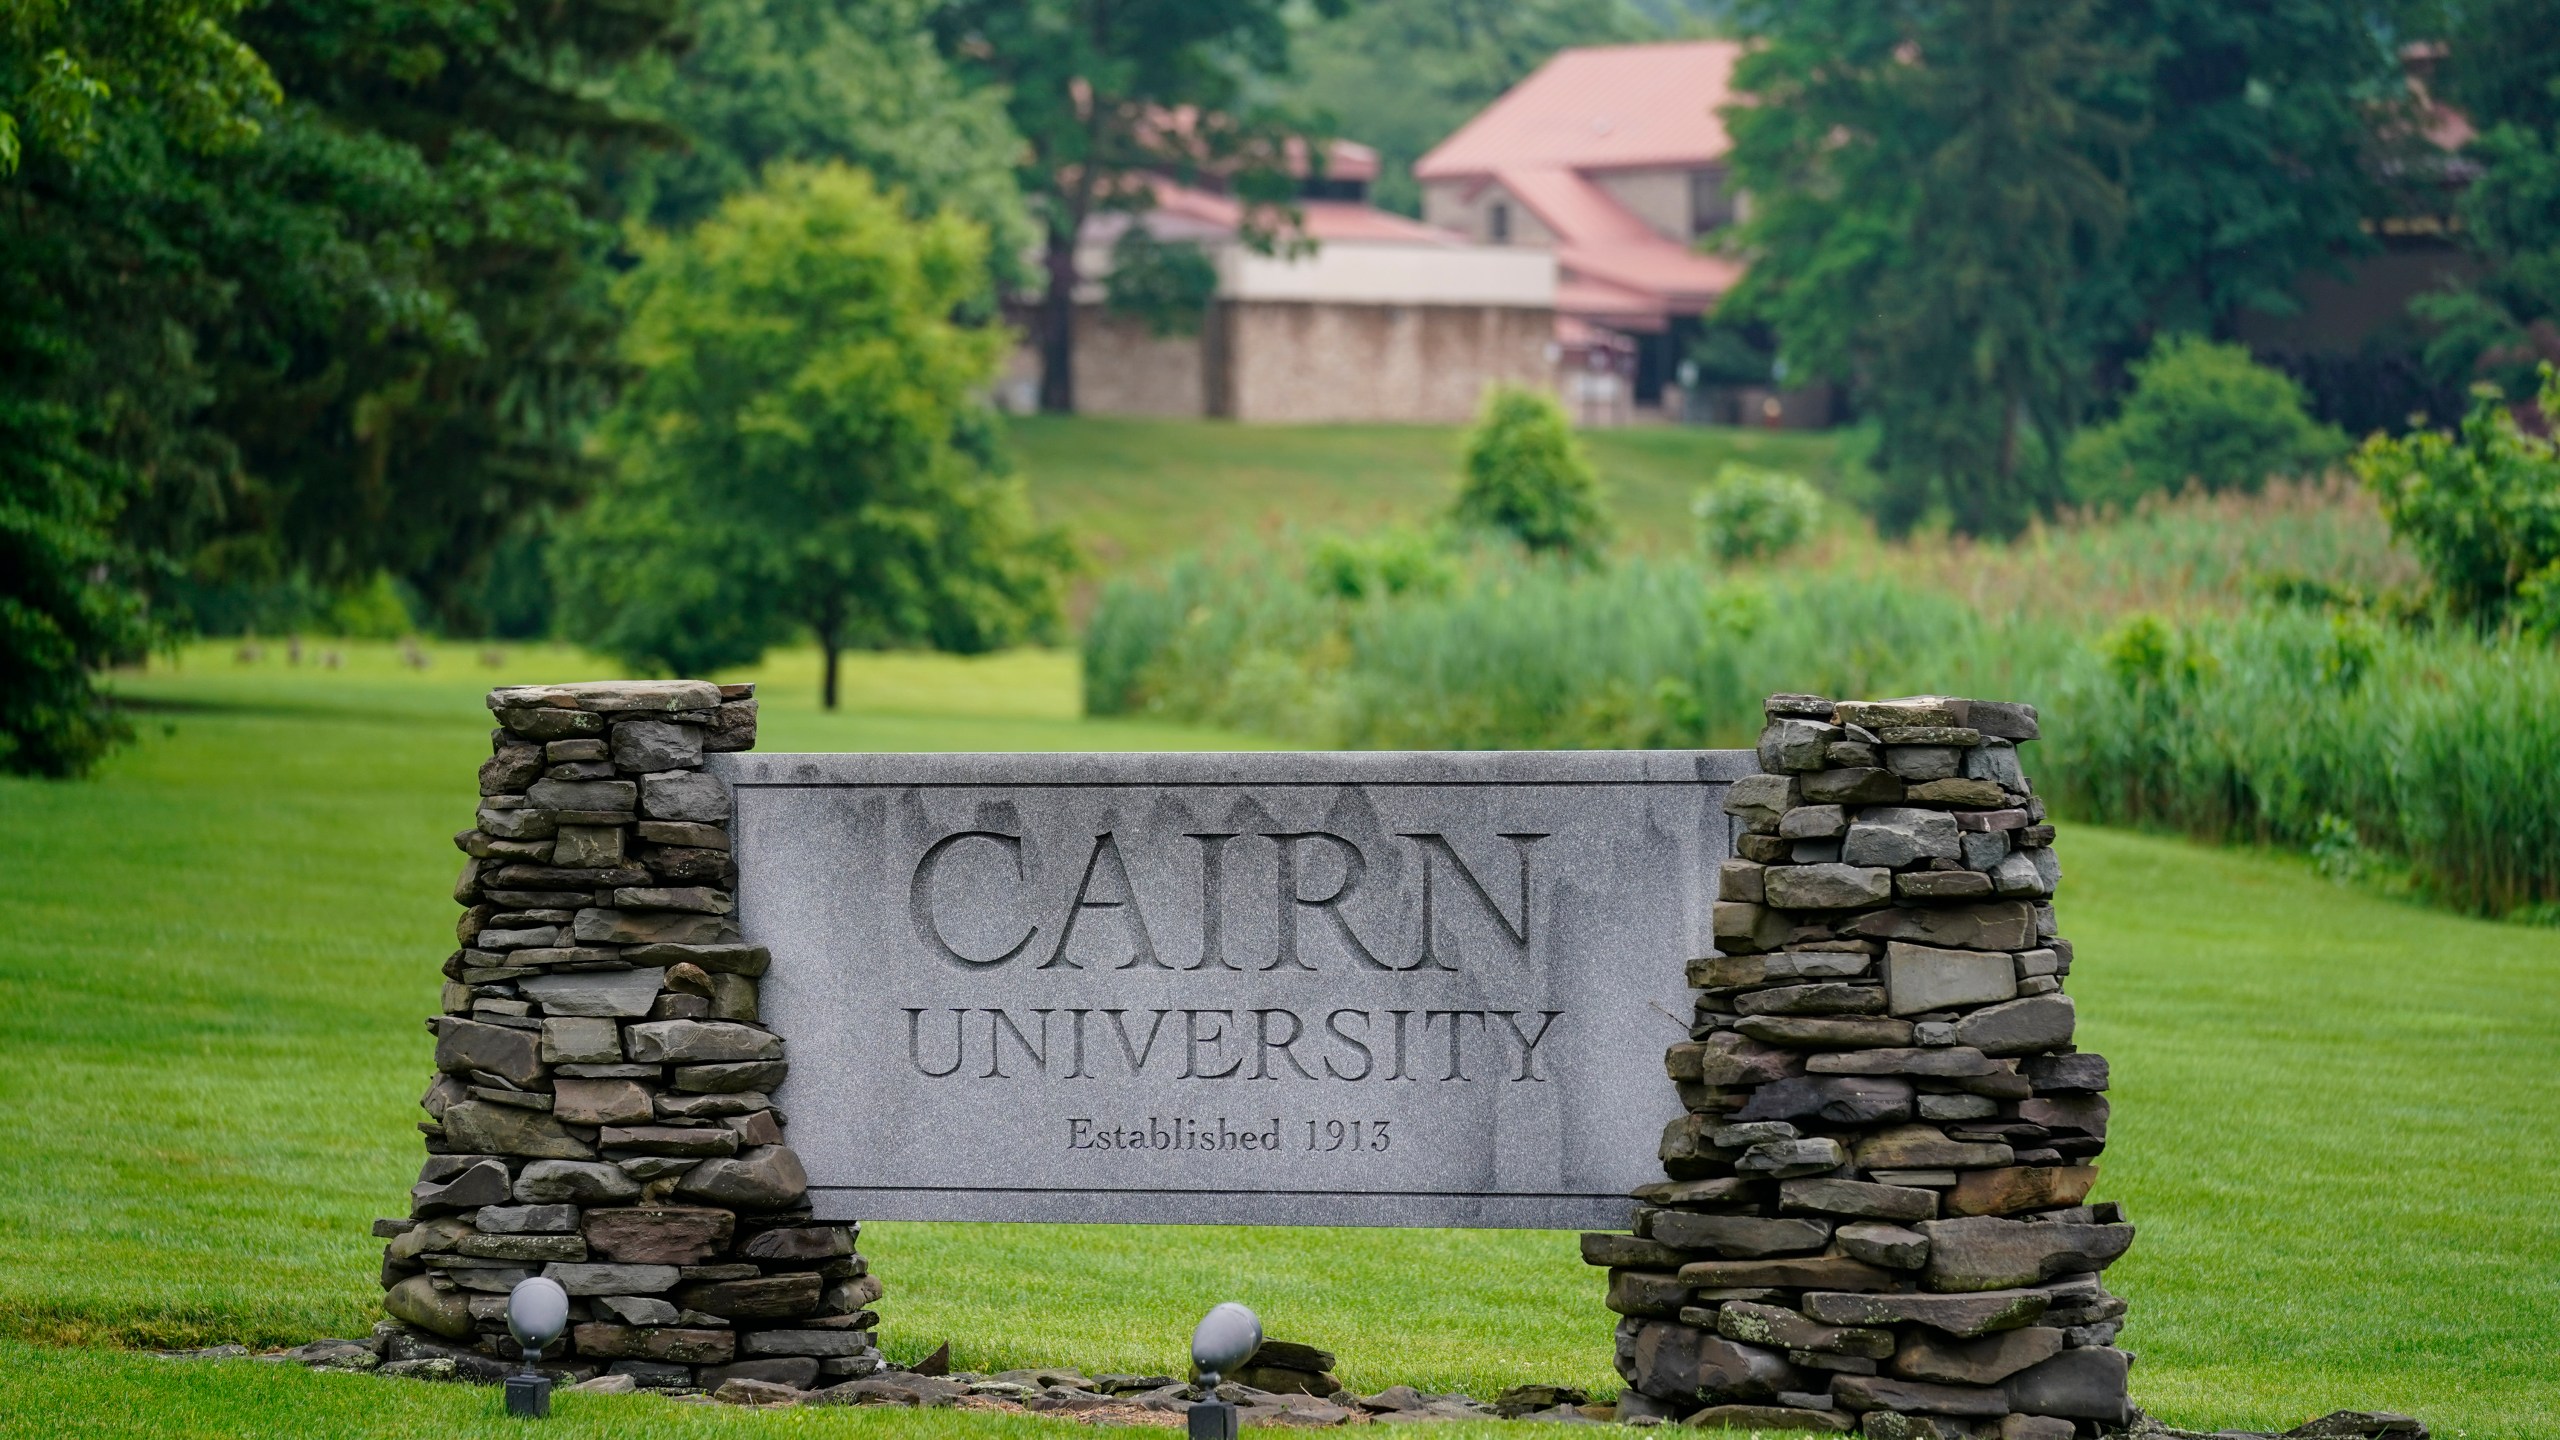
[[1928, 197], [2252, 159]]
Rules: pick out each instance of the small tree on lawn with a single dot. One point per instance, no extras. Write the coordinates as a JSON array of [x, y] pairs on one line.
[[807, 446], [1524, 474]]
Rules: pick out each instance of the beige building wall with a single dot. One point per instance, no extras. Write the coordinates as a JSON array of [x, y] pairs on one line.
[[1312, 362], [1123, 369], [1446, 203], [1660, 198]]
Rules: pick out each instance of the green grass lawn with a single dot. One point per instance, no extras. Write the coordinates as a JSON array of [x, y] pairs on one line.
[[2338, 1121], [1133, 491]]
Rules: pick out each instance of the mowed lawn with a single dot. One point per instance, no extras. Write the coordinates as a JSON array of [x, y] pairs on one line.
[[2337, 1118], [1135, 491]]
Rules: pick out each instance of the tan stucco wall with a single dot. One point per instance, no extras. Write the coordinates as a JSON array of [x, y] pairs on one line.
[[1330, 362], [1446, 203], [1660, 198], [1121, 369]]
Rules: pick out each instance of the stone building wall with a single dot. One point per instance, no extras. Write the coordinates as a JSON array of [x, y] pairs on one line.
[[1123, 368], [1874, 1213], [1305, 362], [601, 1110], [1328, 362]]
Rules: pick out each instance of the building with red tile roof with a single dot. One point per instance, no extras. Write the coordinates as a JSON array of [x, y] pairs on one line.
[[1380, 317], [1614, 159]]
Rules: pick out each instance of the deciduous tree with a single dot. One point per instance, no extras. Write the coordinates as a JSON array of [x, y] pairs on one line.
[[807, 447]]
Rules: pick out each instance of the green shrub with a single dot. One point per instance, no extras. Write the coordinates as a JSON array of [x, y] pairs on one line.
[[2481, 508], [1525, 475], [2200, 414], [1391, 562], [1752, 514], [1165, 285], [1725, 355]]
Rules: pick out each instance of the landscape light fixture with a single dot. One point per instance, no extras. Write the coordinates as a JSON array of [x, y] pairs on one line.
[[537, 1311], [1225, 1338]]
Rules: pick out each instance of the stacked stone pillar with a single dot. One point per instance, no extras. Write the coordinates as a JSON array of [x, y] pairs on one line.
[[1874, 1215], [602, 1111]]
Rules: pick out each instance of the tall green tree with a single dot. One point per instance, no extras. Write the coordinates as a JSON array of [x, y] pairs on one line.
[[2501, 69], [1931, 184], [1106, 92], [300, 293], [856, 81], [807, 449], [65, 62], [79, 367], [422, 329], [2252, 158]]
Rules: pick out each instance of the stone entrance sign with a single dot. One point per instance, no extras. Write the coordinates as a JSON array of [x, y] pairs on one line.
[[1384, 989]]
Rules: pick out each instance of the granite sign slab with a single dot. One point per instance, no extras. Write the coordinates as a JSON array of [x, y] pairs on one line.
[[1329, 989]]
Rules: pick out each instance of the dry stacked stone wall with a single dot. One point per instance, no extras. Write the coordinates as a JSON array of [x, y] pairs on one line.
[[1874, 1217], [602, 1111]]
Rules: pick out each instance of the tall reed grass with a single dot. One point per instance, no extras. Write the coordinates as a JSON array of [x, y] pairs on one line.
[[2433, 752]]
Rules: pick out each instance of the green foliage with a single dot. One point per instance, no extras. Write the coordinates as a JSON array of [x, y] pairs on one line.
[[807, 446], [1964, 206], [379, 610], [1164, 284], [61, 617], [857, 81], [62, 62], [1388, 563], [2498, 325], [1523, 473], [1926, 198], [313, 286], [2499, 57], [1724, 355], [2200, 414], [2480, 507], [1749, 513], [2257, 725], [2249, 161]]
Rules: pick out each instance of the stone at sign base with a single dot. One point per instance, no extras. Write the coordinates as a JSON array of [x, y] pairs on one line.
[[1929, 1125], [603, 1112], [1341, 988]]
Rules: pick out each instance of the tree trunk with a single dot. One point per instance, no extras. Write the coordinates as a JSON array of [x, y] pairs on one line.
[[827, 687], [1058, 324]]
